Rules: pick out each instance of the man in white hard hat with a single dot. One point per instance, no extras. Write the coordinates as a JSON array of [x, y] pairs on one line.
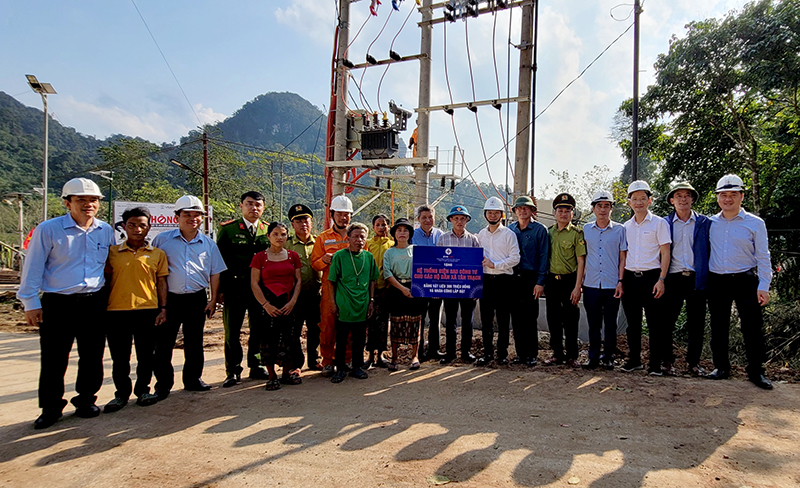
[[500, 255], [195, 264], [606, 249], [65, 261], [428, 235], [646, 267], [327, 243], [688, 275], [740, 272]]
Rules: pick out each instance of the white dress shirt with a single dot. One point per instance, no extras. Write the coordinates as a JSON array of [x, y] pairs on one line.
[[644, 242], [501, 248]]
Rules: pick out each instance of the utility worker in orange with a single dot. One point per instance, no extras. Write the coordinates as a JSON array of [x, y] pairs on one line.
[[326, 244]]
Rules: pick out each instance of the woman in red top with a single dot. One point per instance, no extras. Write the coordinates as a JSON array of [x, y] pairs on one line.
[[275, 280]]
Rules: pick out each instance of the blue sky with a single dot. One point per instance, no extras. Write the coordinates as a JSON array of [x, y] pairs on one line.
[[110, 76]]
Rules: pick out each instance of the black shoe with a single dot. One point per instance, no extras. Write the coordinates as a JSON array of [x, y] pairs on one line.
[[162, 395], [46, 419], [719, 374], [231, 380], [447, 360], [380, 363], [630, 367], [200, 385], [655, 372], [359, 374], [502, 362], [761, 381], [467, 357], [532, 363], [483, 361], [259, 374], [608, 364], [87, 411], [115, 405], [518, 361], [147, 399], [338, 377], [434, 356], [591, 364]]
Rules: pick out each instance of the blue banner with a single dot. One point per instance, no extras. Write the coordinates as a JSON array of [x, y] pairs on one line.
[[447, 272]]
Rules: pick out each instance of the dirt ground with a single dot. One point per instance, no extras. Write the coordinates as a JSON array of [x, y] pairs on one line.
[[460, 425]]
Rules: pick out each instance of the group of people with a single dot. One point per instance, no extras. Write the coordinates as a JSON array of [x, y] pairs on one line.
[[353, 292]]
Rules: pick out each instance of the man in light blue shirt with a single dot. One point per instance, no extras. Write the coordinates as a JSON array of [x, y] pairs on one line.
[[606, 249], [740, 271], [65, 261], [428, 235], [194, 265]]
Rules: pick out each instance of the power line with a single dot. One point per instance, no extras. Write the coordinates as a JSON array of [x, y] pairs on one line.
[[165, 60]]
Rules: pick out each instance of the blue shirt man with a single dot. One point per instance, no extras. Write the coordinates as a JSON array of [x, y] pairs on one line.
[[428, 235], [606, 252], [529, 276], [65, 261], [194, 264], [740, 272]]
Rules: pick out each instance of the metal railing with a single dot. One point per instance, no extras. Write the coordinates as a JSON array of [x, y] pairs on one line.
[[11, 257]]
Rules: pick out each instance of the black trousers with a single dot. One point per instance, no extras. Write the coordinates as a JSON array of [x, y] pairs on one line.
[[69, 318], [432, 310], [451, 306], [187, 310], [723, 291], [343, 330], [238, 300], [307, 311], [562, 315], [378, 322], [124, 328], [525, 315], [680, 288], [638, 296], [601, 307], [280, 336], [495, 302]]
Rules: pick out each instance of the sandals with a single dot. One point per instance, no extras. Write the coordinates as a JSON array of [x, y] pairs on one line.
[[392, 366], [293, 379], [273, 385], [414, 366]]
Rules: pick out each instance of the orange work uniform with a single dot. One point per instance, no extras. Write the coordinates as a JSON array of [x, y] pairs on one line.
[[329, 241]]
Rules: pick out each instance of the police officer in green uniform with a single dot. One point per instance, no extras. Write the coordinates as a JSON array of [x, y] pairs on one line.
[[307, 308], [564, 281], [238, 241]]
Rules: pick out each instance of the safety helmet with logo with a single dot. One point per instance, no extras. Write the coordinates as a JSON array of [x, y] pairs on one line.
[[493, 203], [564, 200], [81, 187], [341, 204], [683, 186], [639, 185], [524, 201], [730, 183], [459, 210], [189, 202], [602, 196]]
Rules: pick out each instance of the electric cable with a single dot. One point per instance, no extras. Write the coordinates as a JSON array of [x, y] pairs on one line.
[[453, 119], [497, 82], [391, 48], [364, 70], [167, 62], [477, 121]]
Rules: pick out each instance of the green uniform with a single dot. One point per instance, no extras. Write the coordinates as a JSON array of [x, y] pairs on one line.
[[565, 247], [306, 310], [351, 274], [310, 277], [238, 246]]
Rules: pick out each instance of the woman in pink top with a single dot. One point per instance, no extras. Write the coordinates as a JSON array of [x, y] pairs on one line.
[[275, 280]]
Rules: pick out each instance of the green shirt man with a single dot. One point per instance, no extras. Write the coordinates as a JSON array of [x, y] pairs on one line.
[[565, 247], [351, 273]]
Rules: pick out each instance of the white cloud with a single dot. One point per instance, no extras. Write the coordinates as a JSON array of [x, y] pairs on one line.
[[207, 115], [309, 17]]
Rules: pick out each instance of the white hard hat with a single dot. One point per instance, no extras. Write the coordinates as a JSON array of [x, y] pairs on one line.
[[639, 185], [493, 203], [730, 183], [189, 202], [80, 187], [602, 196], [341, 204]]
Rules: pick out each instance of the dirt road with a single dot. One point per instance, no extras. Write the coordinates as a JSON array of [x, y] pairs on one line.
[[471, 426]]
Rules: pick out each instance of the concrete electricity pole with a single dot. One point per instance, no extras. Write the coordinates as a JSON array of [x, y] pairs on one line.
[[421, 171], [637, 9], [524, 107], [342, 73]]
